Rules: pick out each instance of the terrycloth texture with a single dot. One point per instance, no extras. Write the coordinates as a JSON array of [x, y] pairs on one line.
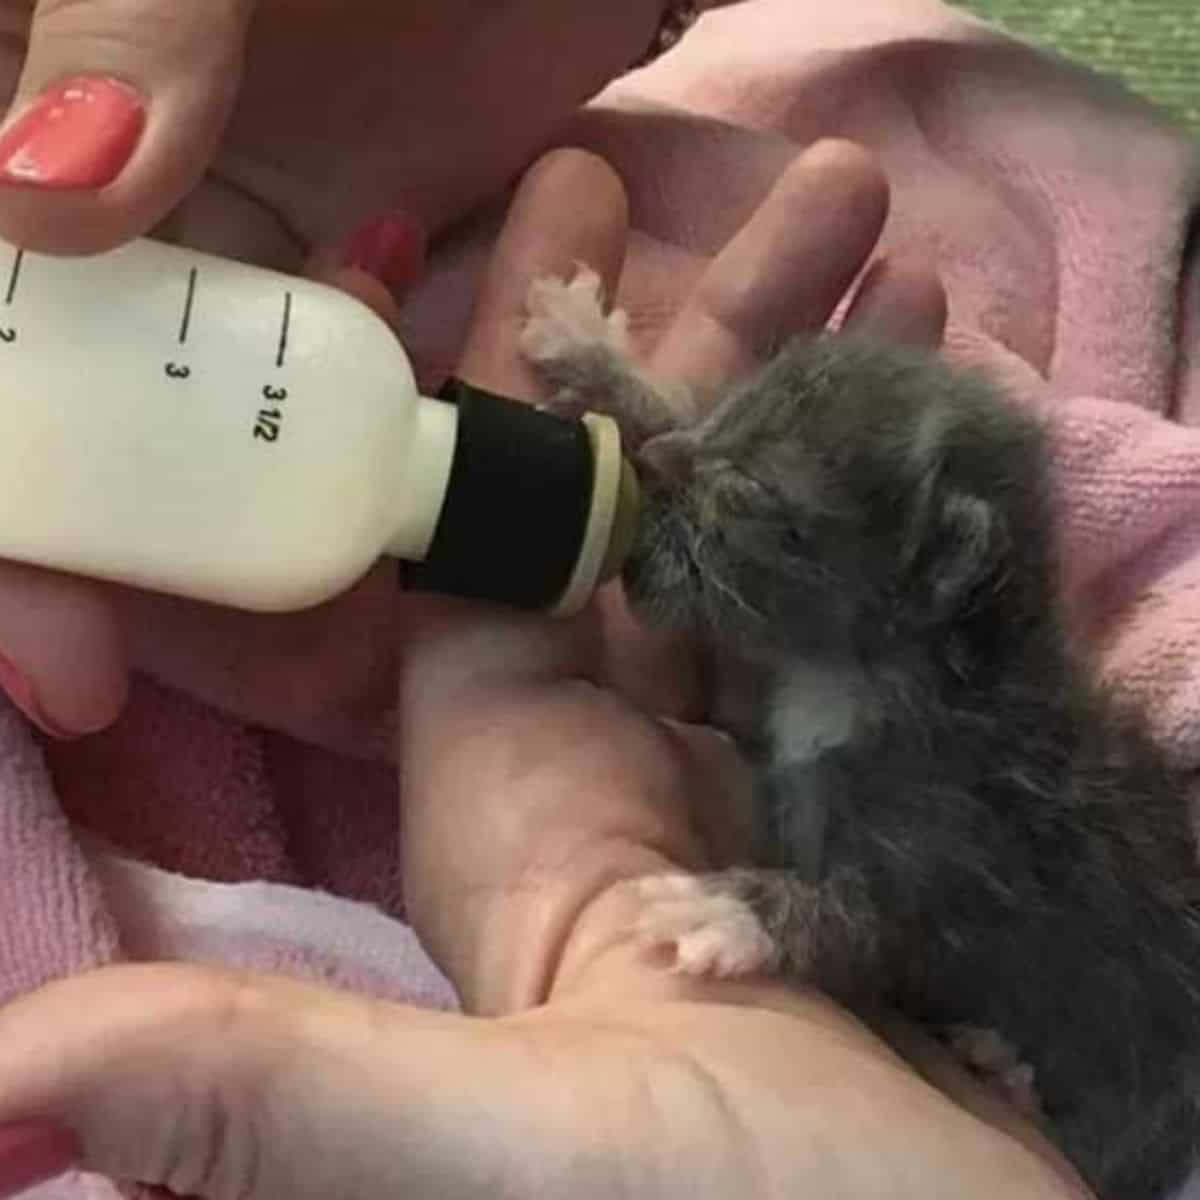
[[1058, 209]]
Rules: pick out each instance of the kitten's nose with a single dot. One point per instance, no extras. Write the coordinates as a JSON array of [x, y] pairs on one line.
[[669, 458]]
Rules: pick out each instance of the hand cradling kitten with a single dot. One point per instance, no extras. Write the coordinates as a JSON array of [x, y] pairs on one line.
[[953, 821]]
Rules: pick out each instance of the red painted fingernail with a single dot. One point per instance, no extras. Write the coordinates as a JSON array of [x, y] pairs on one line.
[[392, 249], [78, 134], [19, 689], [33, 1152]]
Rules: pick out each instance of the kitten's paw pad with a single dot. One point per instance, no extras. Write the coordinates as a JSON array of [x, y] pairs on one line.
[[566, 318], [996, 1062], [710, 932]]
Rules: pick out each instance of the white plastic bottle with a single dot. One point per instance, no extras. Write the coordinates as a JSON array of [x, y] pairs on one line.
[[190, 425]]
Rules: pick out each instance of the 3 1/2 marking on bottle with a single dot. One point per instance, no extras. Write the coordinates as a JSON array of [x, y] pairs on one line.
[[268, 422]]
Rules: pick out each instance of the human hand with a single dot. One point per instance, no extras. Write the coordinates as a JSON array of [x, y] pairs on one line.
[[326, 675], [300, 118], [264, 130], [306, 116], [531, 795]]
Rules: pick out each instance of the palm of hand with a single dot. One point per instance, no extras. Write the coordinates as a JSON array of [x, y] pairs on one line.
[[617, 792]]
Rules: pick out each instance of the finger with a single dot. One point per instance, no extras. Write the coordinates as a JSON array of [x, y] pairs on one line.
[[523, 804], [367, 288], [601, 953], [379, 263], [785, 271], [216, 1085], [32, 1152], [325, 675], [934, 1063], [118, 112], [62, 654], [569, 209], [62, 660], [900, 302]]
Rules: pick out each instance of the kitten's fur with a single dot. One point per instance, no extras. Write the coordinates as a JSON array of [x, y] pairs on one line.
[[954, 821]]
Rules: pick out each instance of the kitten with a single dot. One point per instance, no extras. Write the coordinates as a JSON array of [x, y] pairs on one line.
[[953, 820]]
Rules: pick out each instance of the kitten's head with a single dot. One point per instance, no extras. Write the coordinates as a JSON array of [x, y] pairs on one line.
[[845, 498], [720, 552]]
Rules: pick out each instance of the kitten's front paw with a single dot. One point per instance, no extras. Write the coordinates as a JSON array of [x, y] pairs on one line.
[[710, 931], [566, 319], [995, 1061]]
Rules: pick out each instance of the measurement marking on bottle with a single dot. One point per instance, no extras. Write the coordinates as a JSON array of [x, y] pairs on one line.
[[186, 323], [268, 421], [284, 327], [8, 334], [13, 276]]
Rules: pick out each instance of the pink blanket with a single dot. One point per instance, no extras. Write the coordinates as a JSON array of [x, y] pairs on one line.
[[1058, 208]]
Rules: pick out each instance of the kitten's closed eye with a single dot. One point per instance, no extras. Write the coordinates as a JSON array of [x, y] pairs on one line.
[[726, 492], [669, 459]]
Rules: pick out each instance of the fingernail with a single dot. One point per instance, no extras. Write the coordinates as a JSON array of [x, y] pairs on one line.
[[392, 249], [34, 1152], [19, 689], [77, 135]]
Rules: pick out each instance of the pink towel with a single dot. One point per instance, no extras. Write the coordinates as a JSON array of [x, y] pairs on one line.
[[1058, 208]]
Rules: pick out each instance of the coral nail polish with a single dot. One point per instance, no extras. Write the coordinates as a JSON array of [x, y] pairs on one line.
[[77, 135], [34, 1152], [392, 249]]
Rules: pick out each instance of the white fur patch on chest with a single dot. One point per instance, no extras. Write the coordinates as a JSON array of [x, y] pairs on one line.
[[813, 709]]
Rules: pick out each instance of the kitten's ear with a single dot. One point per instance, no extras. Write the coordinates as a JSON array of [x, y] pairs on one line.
[[966, 549]]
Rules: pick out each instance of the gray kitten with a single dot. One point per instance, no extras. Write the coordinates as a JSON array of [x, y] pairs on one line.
[[954, 822]]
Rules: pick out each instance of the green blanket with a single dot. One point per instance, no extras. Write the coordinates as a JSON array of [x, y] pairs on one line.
[[1153, 44]]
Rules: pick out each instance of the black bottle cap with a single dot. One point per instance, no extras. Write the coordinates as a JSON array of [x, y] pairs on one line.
[[517, 504]]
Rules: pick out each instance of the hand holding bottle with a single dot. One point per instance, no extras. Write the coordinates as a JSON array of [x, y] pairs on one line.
[[302, 117], [269, 131], [324, 674]]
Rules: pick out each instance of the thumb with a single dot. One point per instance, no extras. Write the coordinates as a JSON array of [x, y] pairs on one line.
[[119, 110], [62, 657], [218, 1085]]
